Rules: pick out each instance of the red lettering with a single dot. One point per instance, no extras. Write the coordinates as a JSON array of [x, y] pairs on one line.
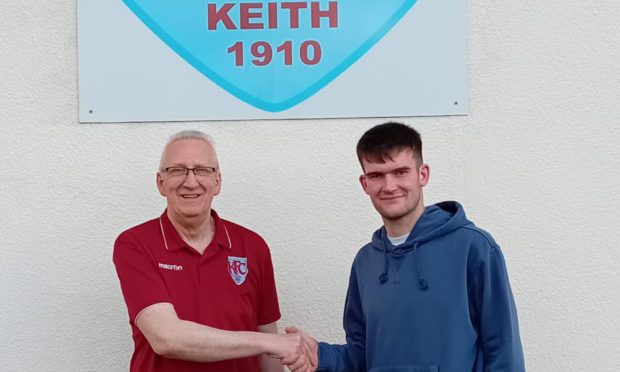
[[237, 48], [215, 16], [305, 51], [246, 14], [287, 48], [273, 15], [238, 268], [310, 53], [263, 53], [253, 16], [293, 8], [331, 14]]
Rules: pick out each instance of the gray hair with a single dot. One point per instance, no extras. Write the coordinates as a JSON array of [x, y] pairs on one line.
[[190, 134], [183, 135]]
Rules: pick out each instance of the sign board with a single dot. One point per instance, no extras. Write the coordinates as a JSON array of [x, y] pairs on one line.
[[171, 60]]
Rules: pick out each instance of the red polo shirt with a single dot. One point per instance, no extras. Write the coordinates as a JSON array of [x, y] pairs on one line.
[[230, 286]]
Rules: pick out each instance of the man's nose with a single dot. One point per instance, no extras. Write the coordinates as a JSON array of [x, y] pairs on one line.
[[190, 180], [389, 184]]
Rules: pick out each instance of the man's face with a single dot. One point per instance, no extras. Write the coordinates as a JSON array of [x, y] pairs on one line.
[[189, 196], [395, 186]]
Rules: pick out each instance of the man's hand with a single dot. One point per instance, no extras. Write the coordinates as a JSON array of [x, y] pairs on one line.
[[306, 362], [289, 350]]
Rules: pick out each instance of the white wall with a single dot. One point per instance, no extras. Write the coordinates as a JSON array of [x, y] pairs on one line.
[[535, 163]]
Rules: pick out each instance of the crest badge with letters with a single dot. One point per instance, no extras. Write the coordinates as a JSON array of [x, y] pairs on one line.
[[238, 269], [270, 54]]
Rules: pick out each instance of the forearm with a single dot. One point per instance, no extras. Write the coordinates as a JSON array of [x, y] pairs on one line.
[[199, 343], [270, 364]]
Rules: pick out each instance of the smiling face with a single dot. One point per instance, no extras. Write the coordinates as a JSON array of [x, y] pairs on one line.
[[395, 186], [189, 197]]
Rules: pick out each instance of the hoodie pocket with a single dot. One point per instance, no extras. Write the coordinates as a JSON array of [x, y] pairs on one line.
[[407, 368]]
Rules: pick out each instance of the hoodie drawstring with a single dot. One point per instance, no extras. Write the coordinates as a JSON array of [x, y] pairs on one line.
[[384, 276], [421, 281], [423, 284]]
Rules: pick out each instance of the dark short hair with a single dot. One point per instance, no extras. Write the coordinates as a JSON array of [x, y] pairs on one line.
[[380, 141]]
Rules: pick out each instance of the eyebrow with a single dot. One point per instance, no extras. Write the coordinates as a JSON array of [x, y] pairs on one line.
[[390, 171]]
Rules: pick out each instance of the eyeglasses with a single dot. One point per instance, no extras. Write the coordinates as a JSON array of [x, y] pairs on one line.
[[183, 172]]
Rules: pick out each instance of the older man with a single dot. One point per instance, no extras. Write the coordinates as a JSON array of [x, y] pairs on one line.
[[199, 290]]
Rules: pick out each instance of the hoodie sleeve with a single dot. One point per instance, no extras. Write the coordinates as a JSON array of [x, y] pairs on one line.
[[350, 357], [496, 315]]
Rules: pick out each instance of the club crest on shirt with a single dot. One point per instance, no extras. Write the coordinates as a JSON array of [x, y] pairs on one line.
[[238, 269]]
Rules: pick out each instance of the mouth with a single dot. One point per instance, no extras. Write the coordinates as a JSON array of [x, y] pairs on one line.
[[190, 196], [390, 198]]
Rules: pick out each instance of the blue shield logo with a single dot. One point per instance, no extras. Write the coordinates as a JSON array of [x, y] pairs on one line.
[[238, 269], [270, 54]]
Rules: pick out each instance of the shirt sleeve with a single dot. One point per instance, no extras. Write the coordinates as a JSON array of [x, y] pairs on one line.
[[140, 280], [268, 308], [350, 357], [496, 315]]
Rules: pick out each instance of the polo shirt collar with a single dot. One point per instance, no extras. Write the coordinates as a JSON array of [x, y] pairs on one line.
[[221, 237]]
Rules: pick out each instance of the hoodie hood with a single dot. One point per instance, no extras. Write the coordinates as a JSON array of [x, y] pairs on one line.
[[437, 220]]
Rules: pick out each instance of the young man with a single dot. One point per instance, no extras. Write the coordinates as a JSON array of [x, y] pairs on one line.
[[430, 292], [199, 290]]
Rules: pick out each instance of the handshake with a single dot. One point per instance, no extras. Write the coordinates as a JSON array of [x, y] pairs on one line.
[[296, 350]]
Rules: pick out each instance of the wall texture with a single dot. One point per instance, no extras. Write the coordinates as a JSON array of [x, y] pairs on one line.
[[535, 163]]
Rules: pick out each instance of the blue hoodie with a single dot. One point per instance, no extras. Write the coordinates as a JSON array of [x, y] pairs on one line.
[[441, 301]]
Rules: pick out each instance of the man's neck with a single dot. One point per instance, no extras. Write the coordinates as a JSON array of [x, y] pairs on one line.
[[198, 232]]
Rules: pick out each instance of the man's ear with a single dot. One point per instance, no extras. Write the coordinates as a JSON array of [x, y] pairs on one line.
[[159, 181], [218, 183], [425, 174], [364, 183]]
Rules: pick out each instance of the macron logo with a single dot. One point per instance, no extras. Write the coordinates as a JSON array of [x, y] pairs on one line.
[[170, 267]]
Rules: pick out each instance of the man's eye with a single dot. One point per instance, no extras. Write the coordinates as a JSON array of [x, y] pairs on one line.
[[203, 171], [175, 171]]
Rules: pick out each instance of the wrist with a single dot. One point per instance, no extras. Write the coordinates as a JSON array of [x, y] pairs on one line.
[[266, 343]]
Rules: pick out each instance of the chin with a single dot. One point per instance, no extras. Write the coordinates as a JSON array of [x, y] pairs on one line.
[[191, 213], [393, 214], [392, 217]]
